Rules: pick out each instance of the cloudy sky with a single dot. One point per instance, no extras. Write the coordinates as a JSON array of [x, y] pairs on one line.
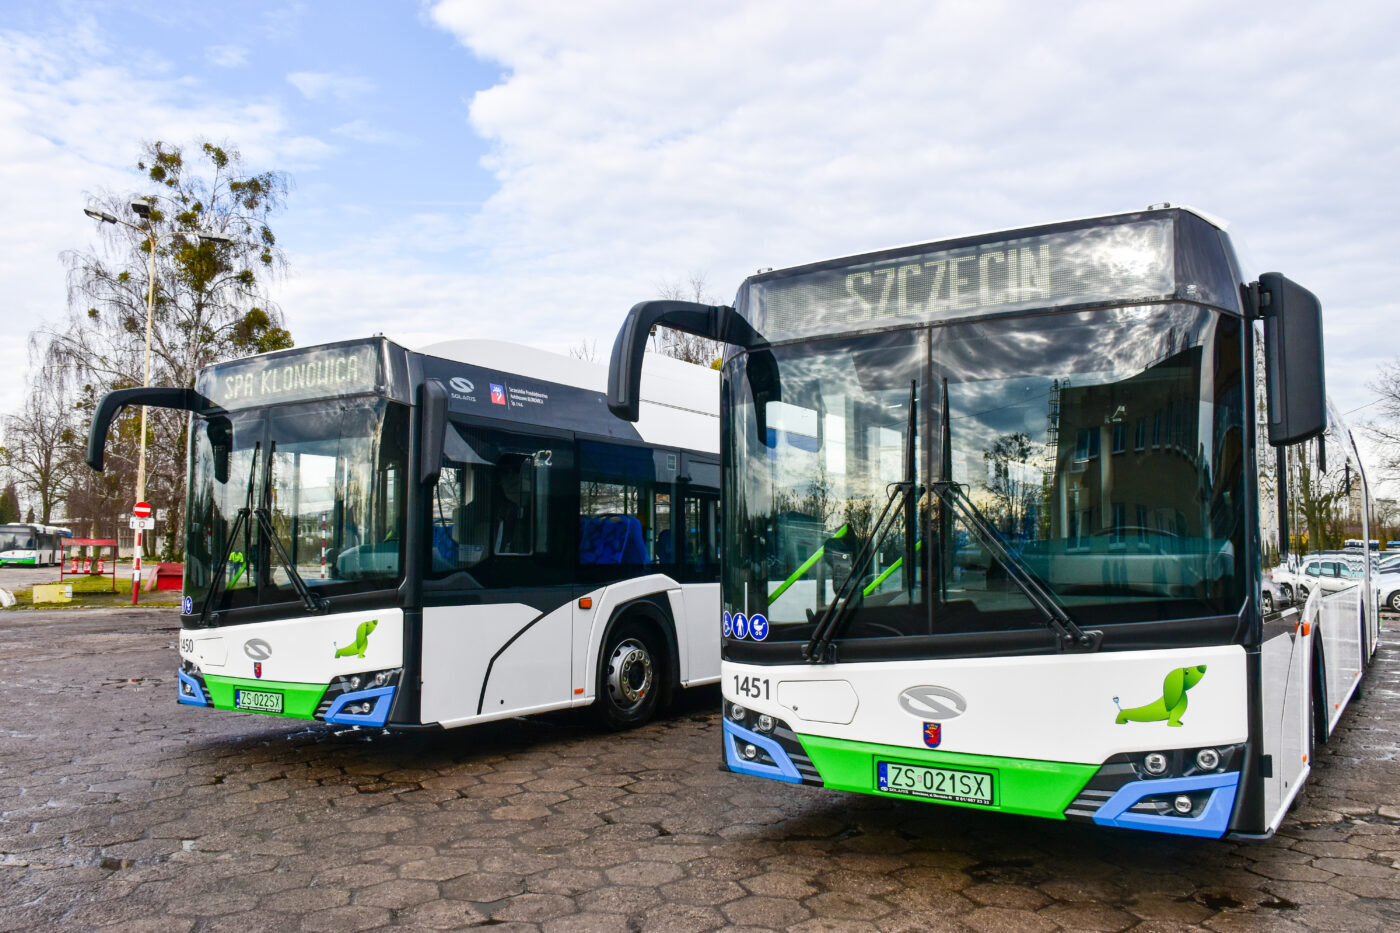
[[528, 170]]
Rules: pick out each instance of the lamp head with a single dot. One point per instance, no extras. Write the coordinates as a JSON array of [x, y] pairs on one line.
[[141, 208], [103, 216]]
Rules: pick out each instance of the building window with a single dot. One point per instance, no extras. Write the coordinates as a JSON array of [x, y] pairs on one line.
[[1140, 434], [1086, 444], [1120, 437]]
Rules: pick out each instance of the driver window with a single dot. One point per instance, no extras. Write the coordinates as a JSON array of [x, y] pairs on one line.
[[495, 509]]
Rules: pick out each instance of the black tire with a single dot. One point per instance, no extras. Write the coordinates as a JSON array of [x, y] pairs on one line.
[[631, 675], [1267, 603], [1393, 601], [1318, 693], [1302, 593], [1287, 591]]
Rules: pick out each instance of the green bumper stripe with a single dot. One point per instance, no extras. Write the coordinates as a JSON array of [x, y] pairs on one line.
[[1033, 788], [298, 700]]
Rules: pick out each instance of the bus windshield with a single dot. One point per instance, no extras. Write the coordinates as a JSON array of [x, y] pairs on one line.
[[325, 479], [1103, 448], [19, 538]]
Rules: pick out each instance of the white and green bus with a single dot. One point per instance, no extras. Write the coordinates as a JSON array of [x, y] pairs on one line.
[[32, 545], [382, 537], [995, 511]]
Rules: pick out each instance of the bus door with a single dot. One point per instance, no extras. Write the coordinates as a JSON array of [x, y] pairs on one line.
[[497, 615]]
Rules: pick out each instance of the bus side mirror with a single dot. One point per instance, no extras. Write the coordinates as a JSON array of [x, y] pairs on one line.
[[1293, 359], [432, 430], [713, 322], [220, 432]]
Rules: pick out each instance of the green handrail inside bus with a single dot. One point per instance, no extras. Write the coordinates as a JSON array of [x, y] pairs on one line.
[[806, 565], [875, 584]]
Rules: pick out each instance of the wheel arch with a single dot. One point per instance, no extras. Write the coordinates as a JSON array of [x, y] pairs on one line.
[[654, 610]]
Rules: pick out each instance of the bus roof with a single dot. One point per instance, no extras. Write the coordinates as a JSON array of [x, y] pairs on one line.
[[680, 401], [1215, 221], [665, 381]]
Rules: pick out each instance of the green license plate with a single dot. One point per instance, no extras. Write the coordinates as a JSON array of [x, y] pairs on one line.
[[259, 701], [935, 783]]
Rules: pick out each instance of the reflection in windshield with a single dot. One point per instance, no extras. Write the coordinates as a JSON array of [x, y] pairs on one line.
[[814, 483], [1104, 448], [333, 495]]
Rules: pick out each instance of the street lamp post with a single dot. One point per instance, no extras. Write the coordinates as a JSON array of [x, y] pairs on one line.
[[142, 208]]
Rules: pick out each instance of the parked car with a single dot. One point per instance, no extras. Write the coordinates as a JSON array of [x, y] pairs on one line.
[[1273, 599], [1328, 572], [1388, 587]]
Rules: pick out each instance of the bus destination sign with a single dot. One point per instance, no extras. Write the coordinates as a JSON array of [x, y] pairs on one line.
[[318, 372], [1118, 261]]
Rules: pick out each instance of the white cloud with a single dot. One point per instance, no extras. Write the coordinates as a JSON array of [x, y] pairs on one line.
[[362, 131], [226, 56], [73, 113], [327, 85], [633, 141]]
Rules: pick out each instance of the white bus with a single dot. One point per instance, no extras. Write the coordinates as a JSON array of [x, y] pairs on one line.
[[32, 545], [382, 537], [995, 515]]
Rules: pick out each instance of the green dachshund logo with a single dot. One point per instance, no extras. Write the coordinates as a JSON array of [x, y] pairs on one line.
[[357, 647], [1173, 702]]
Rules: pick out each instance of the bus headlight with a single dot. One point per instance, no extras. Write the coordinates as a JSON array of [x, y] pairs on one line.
[[1155, 763], [1207, 759], [765, 723], [737, 712], [1182, 804]]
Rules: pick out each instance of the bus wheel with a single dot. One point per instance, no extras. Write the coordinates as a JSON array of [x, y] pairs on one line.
[[630, 674]]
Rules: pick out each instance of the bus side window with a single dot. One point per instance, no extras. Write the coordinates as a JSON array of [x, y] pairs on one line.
[[622, 508], [513, 506], [701, 534]]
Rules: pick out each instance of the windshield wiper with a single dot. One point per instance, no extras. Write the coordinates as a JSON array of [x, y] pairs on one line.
[[818, 649], [1068, 634], [222, 562], [312, 601]]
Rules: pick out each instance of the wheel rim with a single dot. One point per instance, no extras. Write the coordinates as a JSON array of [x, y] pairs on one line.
[[630, 674], [1395, 600]]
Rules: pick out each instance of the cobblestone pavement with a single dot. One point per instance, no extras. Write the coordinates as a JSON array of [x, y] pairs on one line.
[[121, 810]]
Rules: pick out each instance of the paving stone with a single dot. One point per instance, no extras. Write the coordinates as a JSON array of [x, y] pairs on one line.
[[770, 912], [209, 821]]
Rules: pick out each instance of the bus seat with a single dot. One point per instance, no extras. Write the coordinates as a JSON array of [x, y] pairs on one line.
[[600, 541], [611, 539], [634, 548], [445, 543]]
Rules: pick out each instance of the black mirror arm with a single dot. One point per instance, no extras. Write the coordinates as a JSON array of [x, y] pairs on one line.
[[112, 404], [714, 322]]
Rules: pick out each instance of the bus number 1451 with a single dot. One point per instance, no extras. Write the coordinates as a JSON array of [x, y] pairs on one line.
[[755, 688]]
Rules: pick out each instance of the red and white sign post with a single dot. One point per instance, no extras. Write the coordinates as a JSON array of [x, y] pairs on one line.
[[140, 520]]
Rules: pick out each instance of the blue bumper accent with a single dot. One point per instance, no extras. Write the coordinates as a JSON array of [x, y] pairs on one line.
[[781, 770], [378, 714], [1213, 821], [195, 696]]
